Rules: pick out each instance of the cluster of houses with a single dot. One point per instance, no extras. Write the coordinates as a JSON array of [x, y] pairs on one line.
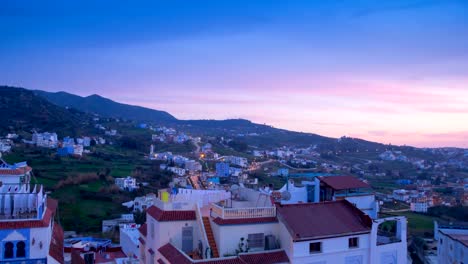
[[169, 135], [67, 146], [421, 196], [7, 143], [326, 220], [177, 164]]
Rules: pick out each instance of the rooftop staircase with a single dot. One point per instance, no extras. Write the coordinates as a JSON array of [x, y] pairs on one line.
[[209, 234]]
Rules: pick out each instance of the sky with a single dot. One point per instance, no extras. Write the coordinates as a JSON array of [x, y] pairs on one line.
[[387, 71]]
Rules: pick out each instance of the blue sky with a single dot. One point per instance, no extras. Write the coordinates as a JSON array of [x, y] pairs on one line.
[[390, 71]]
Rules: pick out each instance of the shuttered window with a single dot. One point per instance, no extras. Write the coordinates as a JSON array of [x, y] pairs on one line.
[[256, 240]]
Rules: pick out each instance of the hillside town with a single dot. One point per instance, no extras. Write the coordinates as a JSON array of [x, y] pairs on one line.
[[215, 209]]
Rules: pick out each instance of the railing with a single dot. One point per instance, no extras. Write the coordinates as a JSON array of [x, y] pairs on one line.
[[205, 242], [173, 205], [238, 213], [385, 237]]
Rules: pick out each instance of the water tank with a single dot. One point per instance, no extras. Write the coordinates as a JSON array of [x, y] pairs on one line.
[[270, 242], [165, 197]]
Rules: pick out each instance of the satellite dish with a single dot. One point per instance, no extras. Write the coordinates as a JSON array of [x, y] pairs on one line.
[[285, 195], [234, 187]]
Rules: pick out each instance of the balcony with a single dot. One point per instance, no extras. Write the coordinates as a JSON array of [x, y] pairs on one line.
[[242, 213], [384, 238]]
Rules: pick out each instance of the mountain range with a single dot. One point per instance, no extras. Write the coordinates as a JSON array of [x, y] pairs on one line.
[[69, 114]]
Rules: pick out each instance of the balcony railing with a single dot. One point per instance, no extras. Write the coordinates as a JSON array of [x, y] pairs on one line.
[[384, 238], [239, 213]]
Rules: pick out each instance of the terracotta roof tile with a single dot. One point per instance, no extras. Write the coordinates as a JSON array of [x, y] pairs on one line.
[[56, 245], [163, 216], [17, 171], [143, 229], [343, 182], [175, 256], [241, 221], [265, 257], [309, 221]]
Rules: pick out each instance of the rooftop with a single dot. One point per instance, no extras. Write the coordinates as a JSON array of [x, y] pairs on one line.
[[462, 238], [174, 255], [19, 169], [175, 215], [309, 221], [343, 182]]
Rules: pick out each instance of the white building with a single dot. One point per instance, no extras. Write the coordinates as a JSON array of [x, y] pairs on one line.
[[177, 170], [141, 203], [112, 224], [18, 173], [193, 166], [357, 192], [78, 150], [46, 139], [401, 195], [111, 132], [27, 228], [452, 242], [5, 146], [420, 204], [129, 236], [238, 161], [251, 229], [127, 183], [12, 136]]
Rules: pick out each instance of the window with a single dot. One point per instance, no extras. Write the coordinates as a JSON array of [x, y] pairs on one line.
[[21, 250], [152, 229], [256, 240], [8, 250], [441, 241], [353, 242], [315, 247]]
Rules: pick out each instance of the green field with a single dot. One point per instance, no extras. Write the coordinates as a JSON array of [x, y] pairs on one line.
[[418, 224], [84, 204]]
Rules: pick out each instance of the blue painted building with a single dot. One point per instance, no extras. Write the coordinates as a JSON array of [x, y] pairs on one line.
[[222, 169], [65, 151], [28, 233]]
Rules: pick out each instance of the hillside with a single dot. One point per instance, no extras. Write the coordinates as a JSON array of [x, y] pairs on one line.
[[105, 107], [22, 110]]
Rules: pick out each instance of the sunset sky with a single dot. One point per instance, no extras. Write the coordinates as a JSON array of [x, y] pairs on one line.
[[387, 71]]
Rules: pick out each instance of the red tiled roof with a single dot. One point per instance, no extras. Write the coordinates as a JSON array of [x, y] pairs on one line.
[[143, 229], [241, 221], [309, 221], [51, 207], [343, 182], [76, 257], [107, 256], [265, 257], [56, 245], [175, 256], [17, 171], [163, 216]]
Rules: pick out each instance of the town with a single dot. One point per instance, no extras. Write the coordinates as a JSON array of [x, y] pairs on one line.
[[276, 205], [234, 132]]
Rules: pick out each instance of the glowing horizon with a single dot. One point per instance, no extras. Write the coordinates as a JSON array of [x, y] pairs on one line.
[[392, 72]]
